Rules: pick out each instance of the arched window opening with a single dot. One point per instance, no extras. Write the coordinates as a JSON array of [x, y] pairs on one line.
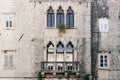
[[50, 66], [50, 17], [69, 47], [70, 17], [60, 47], [60, 52], [50, 52], [69, 52], [60, 16], [59, 67], [69, 66], [50, 47]]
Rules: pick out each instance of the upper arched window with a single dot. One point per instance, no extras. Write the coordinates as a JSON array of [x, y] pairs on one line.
[[69, 47], [60, 47], [60, 16], [70, 17], [50, 47], [50, 17]]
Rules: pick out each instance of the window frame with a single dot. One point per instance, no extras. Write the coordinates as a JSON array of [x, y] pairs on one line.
[[10, 61], [58, 52], [50, 53], [103, 24], [9, 22], [99, 60], [60, 17], [70, 52], [70, 17], [50, 18]]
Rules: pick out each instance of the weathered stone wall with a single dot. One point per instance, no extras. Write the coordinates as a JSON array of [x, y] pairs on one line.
[[18, 78], [109, 41], [29, 36]]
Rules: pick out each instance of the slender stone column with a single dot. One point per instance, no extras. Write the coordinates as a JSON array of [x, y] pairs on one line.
[[55, 58], [65, 58], [55, 20]]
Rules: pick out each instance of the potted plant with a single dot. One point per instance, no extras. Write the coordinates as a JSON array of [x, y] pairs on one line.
[[68, 73], [39, 76], [86, 77], [62, 29]]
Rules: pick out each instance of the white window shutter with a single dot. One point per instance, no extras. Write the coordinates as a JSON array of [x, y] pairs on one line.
[[5, 60], [103, 25], [10, 60]]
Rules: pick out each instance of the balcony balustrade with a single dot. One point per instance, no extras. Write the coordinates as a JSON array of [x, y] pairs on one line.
[[59, 67]]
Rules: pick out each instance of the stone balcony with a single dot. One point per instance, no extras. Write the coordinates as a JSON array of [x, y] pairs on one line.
[[60, 67]]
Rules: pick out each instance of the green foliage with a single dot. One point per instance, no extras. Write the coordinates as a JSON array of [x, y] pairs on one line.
[[39, 76], [86, 77], [69, 72], [62, 28]]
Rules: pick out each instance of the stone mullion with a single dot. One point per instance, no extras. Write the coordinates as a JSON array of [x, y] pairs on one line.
[[55, 20], [64, 58], [45, 54], [65, 17], [55, 58]]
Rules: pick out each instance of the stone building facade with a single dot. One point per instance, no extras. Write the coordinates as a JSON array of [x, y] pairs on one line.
[[109, 40], [31, 42]]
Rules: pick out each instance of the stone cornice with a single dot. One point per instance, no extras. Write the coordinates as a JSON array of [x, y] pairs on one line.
[[80, 1]]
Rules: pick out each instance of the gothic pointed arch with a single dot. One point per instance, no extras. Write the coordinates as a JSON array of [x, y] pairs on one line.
[[69, 52], [50, 17], [50, 53], [70, 17], [60, 47], [60, 16], [69, 47], [50, 47]]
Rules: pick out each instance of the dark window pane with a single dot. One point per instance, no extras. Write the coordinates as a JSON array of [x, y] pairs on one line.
[[10, 23], [101, 56], [60, 16], [52, 20], [105, 56], [67, 20], [58, 19], [50, 17], [101, 60], [7, 23], [60, 47], [101, 65], [105, 60], [105, 64], [69, 47], [70, 18], [48, 21]]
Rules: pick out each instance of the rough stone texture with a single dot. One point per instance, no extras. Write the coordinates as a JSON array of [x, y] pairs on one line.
[[110, 41], [103, 8], [105, 41], [94, 40], [29, 36]]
